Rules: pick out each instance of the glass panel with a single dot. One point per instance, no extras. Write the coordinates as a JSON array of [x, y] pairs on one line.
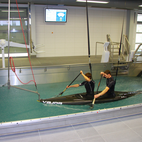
[[139, 28], [138, 38], [139, 17], [16, 34]]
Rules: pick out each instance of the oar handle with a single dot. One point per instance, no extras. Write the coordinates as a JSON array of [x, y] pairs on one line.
[[93, 101], [92, 105], [99, 84]]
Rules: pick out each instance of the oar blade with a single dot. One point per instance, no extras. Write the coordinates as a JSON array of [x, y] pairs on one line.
[[60, 93], [92, 106]]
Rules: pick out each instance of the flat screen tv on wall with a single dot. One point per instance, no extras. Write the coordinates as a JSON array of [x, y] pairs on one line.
[[55, 15]]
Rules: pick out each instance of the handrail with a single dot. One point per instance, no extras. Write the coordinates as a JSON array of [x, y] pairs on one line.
[[134, 55], [126, 39], [128, 44], [137, 48], [125, 47]]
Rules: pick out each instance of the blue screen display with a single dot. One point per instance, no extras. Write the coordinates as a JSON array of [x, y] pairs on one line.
[[56, 15]]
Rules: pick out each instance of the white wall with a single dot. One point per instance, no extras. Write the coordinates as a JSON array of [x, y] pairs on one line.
[[70, 39], [132, 30]]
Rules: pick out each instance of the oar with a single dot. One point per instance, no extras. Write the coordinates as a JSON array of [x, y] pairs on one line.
[[69, 85], [92, 105]]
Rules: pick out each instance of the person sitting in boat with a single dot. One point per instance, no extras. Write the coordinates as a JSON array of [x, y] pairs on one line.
[[108, 92], [88, 83]]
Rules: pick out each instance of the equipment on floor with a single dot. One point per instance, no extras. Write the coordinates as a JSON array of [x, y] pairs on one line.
[[4, 43]]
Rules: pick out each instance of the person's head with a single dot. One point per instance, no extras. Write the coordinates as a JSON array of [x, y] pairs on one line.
[[107, 74], [89, 75]]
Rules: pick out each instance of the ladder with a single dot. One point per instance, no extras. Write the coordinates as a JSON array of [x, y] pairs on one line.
[[113, 48]]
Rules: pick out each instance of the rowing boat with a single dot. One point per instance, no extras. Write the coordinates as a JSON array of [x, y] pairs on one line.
[[81, 99]]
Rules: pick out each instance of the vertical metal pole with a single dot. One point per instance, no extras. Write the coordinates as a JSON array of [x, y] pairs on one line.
[[8, 42], [88, 37], [88, 29], [29, 25]]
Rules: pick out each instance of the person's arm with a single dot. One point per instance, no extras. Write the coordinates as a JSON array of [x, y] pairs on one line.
[[75, 85], [85, 77], [101, 93], [102, 73]]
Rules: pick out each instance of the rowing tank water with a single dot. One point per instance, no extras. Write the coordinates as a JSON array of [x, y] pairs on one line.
[[54, 75]]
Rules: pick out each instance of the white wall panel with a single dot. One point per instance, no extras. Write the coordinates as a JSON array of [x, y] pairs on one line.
[[70, 39]]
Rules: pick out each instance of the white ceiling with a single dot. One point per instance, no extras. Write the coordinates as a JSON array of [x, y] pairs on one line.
[[121, 4]]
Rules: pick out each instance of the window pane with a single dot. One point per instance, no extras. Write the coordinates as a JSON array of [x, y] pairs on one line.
[[16, 34], [138, 38], [139, 17], [139, 27]]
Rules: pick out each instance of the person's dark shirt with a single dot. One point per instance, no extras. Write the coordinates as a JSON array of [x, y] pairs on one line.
[[89, 86], [111, 84]]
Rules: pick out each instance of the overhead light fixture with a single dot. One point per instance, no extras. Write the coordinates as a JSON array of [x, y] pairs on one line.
[[12, 11], [140, 5], [15, 55], [92, 1]]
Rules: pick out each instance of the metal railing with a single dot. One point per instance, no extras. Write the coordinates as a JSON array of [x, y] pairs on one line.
[[137, 53], [113, 48]]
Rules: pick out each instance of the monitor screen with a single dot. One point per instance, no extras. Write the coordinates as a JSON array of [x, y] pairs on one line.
[[55, 15]]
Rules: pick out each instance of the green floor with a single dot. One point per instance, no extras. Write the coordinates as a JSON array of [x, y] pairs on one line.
[[18, 104]]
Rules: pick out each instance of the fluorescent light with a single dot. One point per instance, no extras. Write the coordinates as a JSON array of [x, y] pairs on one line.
[[92, 1], [12, 11], [15, 55], [140, 5]]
